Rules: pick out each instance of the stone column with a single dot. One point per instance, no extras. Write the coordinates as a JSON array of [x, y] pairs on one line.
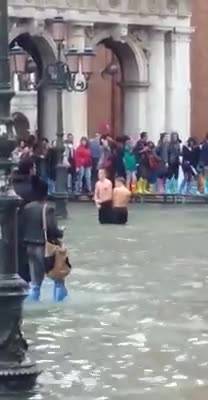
[[178, 83], [156, 94], [75, 104], [135, 108], [47, 105], [75, 114]]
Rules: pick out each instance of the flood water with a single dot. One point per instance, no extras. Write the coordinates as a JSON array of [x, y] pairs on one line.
[[136, 326]]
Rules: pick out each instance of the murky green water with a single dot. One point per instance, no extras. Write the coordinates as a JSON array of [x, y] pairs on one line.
[[136, 326]]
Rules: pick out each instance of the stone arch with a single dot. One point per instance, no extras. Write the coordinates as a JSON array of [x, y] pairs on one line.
[[43, 41], [129, 52], [135, 78], [21, 124], [40, 45]]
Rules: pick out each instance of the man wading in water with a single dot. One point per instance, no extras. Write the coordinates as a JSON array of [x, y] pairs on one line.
[[103, 198], [112, 203], [121, 197]]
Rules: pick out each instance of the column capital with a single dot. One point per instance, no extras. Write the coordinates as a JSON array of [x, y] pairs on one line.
[[158, 33], [182, 34], [78, 33], [79, 29], [120, 32]]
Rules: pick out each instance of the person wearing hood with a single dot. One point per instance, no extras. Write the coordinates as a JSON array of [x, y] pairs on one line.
[[83, 161], [162, 152]]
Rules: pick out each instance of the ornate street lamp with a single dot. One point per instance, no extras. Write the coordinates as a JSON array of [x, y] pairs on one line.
[[16, 370], [71, 75], [58, 30], [80, 65], [18, 58]]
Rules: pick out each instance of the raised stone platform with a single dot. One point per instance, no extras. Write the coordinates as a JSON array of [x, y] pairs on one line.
[[154, 198], [171, 199]]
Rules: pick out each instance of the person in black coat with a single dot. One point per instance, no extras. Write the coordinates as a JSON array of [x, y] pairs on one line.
[[190, 161], [34, 238], [25, 183], [174, 152], [203, 162], [191, 154], [118, 154]]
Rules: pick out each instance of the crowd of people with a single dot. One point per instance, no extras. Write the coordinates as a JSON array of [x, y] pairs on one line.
[[110, 170], [170, 166]]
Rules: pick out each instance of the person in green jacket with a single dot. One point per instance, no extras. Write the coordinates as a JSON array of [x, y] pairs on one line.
[[130, 165]]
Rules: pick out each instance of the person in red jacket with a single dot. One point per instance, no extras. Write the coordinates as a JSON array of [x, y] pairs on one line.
[[83, 161]]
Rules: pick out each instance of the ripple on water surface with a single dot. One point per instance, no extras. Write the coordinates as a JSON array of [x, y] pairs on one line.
[[135, 325]]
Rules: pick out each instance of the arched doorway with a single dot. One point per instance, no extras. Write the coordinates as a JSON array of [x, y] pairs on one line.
[[105, 100], [22, 125], [42, 53], [131, 83]]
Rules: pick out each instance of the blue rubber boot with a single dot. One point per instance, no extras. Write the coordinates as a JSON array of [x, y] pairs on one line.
[[182, 189], [172, 187], [189, 188], [194, 188], [175, 186], [34, 293], [167, 186], [60, 292]]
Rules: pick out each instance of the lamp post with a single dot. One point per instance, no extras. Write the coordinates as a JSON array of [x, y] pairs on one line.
[[72, 75], [60, 194], [16, 370]]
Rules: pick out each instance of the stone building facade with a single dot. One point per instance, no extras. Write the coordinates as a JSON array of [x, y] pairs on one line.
[[151, 40]]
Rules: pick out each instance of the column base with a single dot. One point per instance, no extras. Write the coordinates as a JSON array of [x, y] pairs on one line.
[[61, 206], [61, 195], [17, 371], [21, 378]]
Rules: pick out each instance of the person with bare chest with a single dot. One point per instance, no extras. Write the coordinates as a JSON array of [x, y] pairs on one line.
[[103, 198], [121, 198]]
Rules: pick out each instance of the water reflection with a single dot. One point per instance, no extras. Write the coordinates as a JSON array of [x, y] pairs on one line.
[[136, 325]]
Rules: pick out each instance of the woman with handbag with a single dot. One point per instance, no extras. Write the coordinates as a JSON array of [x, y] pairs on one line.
[[36, 236]]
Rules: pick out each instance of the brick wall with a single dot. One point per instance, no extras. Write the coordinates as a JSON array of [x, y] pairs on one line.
[[199, 69]]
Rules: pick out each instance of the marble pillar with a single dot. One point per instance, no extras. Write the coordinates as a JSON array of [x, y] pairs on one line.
[[75, 114], [178, 83], [156, 94], [47, 116], [135, 108]]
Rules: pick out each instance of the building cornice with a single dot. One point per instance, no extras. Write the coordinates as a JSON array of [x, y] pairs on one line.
[[163, 8]]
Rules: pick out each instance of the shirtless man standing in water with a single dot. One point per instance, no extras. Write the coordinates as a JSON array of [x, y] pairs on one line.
[[103, 198], [121, 198]]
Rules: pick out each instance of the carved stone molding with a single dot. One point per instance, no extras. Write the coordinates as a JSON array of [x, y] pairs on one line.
[[181, 8]]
